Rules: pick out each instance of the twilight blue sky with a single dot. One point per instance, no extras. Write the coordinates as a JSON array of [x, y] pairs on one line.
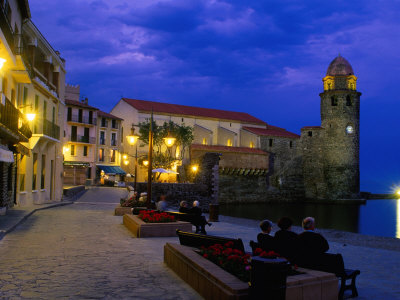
[[266, 58]]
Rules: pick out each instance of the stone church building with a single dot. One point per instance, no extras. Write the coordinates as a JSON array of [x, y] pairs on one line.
[[244, 159]]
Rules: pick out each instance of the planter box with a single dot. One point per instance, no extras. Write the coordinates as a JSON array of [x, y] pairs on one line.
[[212, 282], [143, 229], [120, 211]]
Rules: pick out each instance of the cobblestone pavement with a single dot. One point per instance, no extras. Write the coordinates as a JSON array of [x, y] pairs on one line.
[[82, 251]]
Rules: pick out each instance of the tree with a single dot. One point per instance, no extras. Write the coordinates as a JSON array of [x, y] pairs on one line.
[[164, 157]]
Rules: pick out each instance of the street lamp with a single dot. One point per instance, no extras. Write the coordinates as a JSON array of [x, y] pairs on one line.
[[169, 140], [132, 140]]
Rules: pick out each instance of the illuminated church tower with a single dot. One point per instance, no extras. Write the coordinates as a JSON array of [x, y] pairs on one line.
[[340, 117]]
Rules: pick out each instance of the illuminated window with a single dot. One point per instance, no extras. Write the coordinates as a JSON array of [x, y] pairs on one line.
[[72, 149], [229, 143], [204, 142], [101, 154], [112, 156], [251, 144]]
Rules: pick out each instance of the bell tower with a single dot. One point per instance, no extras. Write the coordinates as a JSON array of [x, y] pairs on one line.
[[340, 117]]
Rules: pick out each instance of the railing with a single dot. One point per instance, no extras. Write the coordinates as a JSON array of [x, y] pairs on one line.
[[51, 129], [6, 28], [9, 115], [21, 48], [83, 120], [83, 139], [113, 142]]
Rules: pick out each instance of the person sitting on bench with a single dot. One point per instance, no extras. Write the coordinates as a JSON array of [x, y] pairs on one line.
[[287, 242], [162, 204], [183, 207], [264, 239], [199, 220]]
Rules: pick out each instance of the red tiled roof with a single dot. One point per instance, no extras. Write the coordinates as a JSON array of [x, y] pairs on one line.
[[101, 113], [228, 149], [80, 104], [271, 131], [184, 110]]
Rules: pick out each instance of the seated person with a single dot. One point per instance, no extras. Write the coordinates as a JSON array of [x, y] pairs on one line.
[[183, 207], [264, 239], [286, 241], [199, 220], [312, 244], [162, 203]]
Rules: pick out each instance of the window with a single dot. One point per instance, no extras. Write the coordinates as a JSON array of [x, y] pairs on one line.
[[230, 124], [290, 144], [114, 123], [72, 150], [80, 116], [251, 144], [122, 134], [74, 133], [34, 171], [103, 122], [43, 172], [90, 117], [101, 154], [310, 133], [229, 143], [270, 142], [44, 110], [112, 156], [36, 102], [84, 150], [204, 142], [69, 114], [113, 139], [25, 96], [348, 101], [102, 138], [182, 120], [334, 101]]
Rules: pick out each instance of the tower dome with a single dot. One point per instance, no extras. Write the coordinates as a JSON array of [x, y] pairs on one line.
[[339, 66]]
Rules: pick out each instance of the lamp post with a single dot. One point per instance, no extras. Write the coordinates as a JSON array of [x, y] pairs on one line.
[[132, 140]]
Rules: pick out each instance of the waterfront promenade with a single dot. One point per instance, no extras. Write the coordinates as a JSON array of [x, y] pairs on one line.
[[82, 251]]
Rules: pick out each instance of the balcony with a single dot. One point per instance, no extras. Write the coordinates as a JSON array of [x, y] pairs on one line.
[[82, 139], [14, 121], [21, 48], [48, 128], [82, 120]]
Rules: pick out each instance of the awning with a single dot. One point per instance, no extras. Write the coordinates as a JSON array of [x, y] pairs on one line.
[[161, 170], [111, 170], [23, 150], [6, 156]]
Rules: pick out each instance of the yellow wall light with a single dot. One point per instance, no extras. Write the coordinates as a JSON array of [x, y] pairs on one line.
[[195, 168], [169, 140], [2, 61], [30, 117], [126, 162], [146, 163], [124, 156]]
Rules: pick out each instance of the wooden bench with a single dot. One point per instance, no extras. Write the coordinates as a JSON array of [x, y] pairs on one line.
[[183, 216], [198, 240], [333, 263]]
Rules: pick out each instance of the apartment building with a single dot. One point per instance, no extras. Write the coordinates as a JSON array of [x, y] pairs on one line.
[[14, 73], [40, 172], [108, 158], [80, 120]]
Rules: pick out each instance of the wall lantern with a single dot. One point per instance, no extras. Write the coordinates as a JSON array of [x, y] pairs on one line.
[[169, 140], [132, 138]]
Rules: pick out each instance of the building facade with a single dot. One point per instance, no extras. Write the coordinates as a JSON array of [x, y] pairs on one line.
[[40, 173], [80, 123], [108, 153]]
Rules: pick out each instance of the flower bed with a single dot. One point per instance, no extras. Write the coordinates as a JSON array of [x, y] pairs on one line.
[[151, 216], [140, 229], [212, 282]]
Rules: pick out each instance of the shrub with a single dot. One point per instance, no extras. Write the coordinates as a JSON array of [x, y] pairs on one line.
[[151, 216]]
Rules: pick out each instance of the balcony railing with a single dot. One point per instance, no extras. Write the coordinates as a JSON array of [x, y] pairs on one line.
[[9, 115], [83, 120], [21, 48], [49, 128], [83, 139]]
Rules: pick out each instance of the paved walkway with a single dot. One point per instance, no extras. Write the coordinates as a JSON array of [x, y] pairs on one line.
[[82, 251]]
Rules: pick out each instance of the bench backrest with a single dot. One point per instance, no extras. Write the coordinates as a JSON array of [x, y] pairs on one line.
[[199, 240], [327, 262]]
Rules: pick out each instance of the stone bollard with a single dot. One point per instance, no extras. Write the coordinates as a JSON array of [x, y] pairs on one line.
[[214, 212], [268, 278]]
